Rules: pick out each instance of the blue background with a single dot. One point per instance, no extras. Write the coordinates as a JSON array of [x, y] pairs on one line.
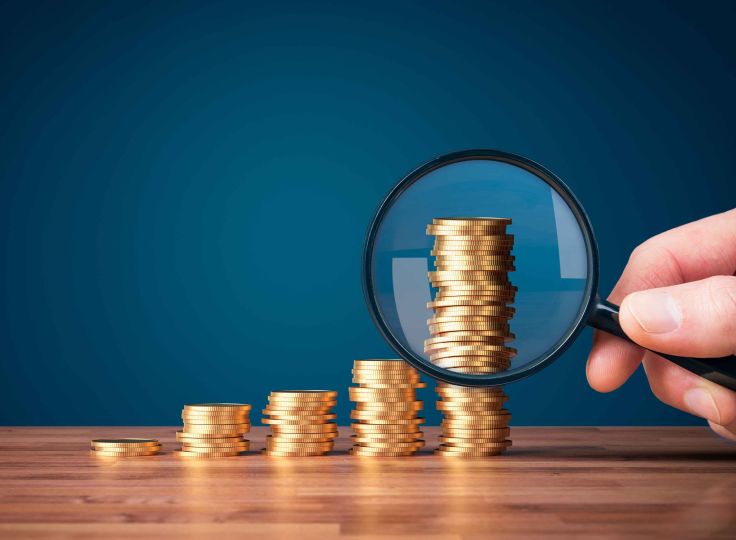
[[184, 188]]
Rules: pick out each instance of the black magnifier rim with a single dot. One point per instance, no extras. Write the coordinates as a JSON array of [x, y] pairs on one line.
[[562, 344]]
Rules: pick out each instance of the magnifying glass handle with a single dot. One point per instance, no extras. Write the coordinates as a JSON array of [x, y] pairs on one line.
[[719, 370]]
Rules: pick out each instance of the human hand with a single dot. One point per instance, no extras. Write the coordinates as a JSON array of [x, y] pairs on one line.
[[686, 307]]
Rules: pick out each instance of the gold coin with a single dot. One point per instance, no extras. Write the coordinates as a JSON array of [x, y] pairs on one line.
[[274, 453], [379, 392], [189, 453], [204, 443], [450, 346], [124, 443], [444, 388], [390, 406], [393, 445], [295, 421], [461, 436], [396, 421], [214, 421], [442, 328], [379, 363], [386, 437], [471, 362], [466, 338], [440, 231], [329, 427], [386, 374], [472, 221], [295, 415], [330, 395], [215, 407], [291, 446], [372, 415], [181, 436], [216, 428], [477, 336], [389, 386], [243, 447], [363, 428], [304, 406], [490, 369], [471, 288], [305, 437], [376, 452], [465, 275], [482, 258], [467, 424], [471, 349], [107, 453], [486, 310], [470, 407]]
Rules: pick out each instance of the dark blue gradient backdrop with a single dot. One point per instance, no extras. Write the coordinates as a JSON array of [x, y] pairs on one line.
[[185, 187]]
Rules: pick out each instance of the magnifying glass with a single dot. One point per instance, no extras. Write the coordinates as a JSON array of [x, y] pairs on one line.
[[555, 264]]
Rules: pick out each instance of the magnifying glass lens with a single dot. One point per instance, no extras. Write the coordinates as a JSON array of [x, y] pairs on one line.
[[545, 261]]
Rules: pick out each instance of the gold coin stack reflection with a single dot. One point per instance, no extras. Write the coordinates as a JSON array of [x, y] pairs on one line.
[[125, 447], [385, 418], [214, 429], [470, 329], [301, 421]]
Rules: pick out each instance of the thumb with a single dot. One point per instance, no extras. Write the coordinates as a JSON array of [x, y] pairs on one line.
[[695, 319]]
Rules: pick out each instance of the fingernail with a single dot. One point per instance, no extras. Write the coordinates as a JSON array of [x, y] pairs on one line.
[[700, 402], [655, 311]]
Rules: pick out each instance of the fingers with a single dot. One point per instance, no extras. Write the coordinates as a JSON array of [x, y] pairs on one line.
[[727, 432], [688, 392], [611, 362], [692, 319], [692, 252]]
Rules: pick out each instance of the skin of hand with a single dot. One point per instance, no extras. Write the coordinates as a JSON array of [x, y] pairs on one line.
[[678, 296]]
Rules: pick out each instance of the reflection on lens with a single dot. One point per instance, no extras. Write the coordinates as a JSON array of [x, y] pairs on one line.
[[469, 296]]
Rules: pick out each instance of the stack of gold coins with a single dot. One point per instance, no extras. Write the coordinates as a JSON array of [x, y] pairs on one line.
[[125, 447], [470, 329], [301, 421], [385, 418], [214, 429]]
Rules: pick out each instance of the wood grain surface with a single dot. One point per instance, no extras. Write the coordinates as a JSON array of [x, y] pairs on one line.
[[563, 482]]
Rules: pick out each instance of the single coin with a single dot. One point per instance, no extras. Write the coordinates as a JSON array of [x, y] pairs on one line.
[[490, 369], [126, 449], [471, 349], [388, 392], [388, 386], [489, 435], [440, 231], [471, 362], [304, 394], [329, 427], [107, 453], [221, 448], [469, 335], [183, 436], [491, 423], [464, 275], [396, 421], [472, 221], [216, 428], [444, 341], [287, 446], [365, 428], [224, 407], [482, 258], [386, 374], [295, 421], [372, 415], [492, 310], [189, 453], [390, 406], [470, 408], [387, 437], [223, 421], [397, 446], [274, 453], [306, 417], [375, 363], [442, 328], [204, 443], [306, 437], [128, 442], [376, 452]]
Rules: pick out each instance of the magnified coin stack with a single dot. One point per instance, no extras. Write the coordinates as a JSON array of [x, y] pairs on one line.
[[214, 429], [302, 422], [125, 447], [470, 329], [385, 418]]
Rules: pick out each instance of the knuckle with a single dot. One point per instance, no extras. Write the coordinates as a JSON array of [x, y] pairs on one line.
[[721, 298], [652, 266]]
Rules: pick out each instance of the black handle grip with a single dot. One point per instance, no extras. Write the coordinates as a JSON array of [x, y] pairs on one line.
[[719, 370]]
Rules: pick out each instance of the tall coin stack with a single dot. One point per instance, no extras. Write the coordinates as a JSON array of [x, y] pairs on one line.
[[470, 329], [385, 418], [302, 422], [214, 429]]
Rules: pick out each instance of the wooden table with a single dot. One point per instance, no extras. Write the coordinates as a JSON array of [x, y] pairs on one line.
[[564, 482]]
